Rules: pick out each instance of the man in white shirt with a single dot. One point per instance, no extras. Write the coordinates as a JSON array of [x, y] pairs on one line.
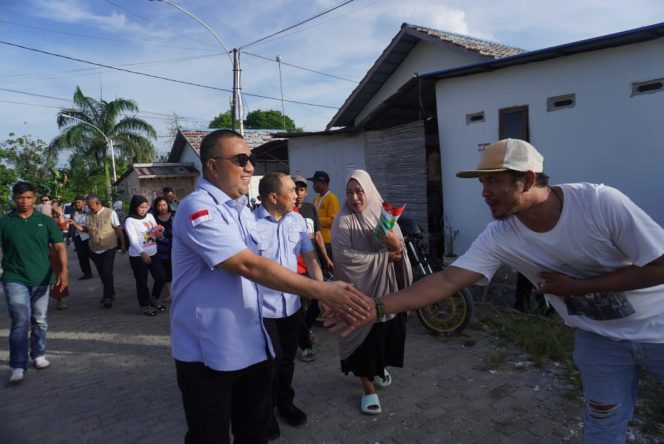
[[103, 227], [81, 237], [595, 255]]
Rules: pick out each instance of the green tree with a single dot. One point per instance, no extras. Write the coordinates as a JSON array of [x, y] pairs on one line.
[[132, 137], [29, 159], [258, 119], [270, 119], [223, 120]]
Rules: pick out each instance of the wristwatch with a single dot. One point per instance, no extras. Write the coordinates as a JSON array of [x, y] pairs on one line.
[[380, 307]]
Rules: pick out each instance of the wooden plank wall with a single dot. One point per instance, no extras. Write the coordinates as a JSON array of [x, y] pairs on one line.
[[396, 160]]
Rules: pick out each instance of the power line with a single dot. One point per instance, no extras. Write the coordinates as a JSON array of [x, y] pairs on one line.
[[74, 34], [159, 25], [297, 24], [62, 99], [300, 67], [183, 82]]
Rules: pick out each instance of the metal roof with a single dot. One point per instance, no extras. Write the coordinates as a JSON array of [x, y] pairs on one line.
[[608, 41], [397, 51]]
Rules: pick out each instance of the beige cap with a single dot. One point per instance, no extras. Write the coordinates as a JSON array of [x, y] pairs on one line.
[[507, 154]]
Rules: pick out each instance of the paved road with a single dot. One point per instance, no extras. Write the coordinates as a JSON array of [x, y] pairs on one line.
[[112, 380]]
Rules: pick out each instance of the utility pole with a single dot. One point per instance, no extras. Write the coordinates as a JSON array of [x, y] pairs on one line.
[[237, 91]]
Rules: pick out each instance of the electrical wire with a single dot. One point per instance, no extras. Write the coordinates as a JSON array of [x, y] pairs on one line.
[[300, 67], [160, 25], [296, 24], [183, 82], [62, 99], [74, 34]]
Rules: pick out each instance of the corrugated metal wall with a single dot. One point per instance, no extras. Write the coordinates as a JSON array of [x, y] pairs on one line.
[[396, 160]]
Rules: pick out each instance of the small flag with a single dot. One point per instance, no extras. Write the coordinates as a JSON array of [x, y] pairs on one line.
[[199, 217]]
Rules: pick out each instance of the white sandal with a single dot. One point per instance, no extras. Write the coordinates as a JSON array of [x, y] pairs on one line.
[[370, 405], [383, 382]]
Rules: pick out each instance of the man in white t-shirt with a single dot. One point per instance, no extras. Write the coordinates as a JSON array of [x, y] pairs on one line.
[[595, 255]]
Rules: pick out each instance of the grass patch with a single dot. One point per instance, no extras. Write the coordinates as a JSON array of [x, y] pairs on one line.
[[546, 339], [650, 406], [495, 360]]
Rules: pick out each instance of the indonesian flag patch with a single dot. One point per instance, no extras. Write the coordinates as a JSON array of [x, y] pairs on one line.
[[199, 217]]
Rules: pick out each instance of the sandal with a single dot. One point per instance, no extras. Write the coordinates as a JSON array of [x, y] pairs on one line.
[[383, 382], [370, 404], [157, 305], [149, 311]]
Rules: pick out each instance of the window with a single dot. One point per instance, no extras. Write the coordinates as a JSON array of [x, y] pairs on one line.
[[513, 122], [560, 102], [475, 118], [647, 87]]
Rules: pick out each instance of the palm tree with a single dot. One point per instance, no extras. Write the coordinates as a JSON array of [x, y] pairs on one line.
[[82, 127]]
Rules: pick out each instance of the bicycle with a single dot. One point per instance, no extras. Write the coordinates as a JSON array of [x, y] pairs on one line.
[[449, 316]]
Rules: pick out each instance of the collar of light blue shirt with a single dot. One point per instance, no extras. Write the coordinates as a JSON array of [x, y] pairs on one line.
[[220, 197]]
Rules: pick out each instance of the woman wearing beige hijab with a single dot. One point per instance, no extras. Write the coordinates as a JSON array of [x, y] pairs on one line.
[[376, 267]]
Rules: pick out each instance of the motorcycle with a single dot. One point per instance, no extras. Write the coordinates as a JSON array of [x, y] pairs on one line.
[[449, 316]]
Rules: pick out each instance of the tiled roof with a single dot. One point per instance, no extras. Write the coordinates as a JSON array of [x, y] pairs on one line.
[[253, 137], [164, 169], [483, 47], [397, 51]]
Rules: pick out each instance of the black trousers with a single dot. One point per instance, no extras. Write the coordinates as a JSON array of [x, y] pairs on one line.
[[307, 318], [284, 334], [83, 255], [215, 400], [104, 264], [140, 270]]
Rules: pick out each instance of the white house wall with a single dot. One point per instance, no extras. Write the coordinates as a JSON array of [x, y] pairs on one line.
[[189, 155], [336, 155], [608, 137], [424, 57]]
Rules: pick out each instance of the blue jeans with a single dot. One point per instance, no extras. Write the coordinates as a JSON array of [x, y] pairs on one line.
[[610, 372], [27, 309]]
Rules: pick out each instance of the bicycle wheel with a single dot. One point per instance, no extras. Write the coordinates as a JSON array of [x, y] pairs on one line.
[[449, 316]]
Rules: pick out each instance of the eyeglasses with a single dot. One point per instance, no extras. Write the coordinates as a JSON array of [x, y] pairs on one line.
[[240, 159]]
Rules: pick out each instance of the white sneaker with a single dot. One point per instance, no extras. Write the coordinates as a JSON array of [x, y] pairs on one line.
[[41, 362], [17, 375]]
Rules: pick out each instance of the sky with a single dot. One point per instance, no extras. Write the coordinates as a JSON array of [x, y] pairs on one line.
[[155, 38]]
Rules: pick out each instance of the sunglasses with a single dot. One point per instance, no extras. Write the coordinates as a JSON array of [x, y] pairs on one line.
[[240, 159]]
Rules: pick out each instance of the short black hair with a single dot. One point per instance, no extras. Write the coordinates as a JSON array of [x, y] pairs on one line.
[[167, 190], [156, 201], [270, 183], [541, 179], [79, 197], [209, 143], [22, 187], [46, 195]]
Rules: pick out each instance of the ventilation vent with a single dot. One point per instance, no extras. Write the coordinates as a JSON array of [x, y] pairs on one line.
[[475, 118], [561, 102], [649, 87]]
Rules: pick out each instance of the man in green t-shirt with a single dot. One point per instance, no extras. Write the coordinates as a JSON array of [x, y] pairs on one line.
[[25, 235]]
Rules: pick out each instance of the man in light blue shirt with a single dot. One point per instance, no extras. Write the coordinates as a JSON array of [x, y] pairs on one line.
[[223, 355], [282, 235]]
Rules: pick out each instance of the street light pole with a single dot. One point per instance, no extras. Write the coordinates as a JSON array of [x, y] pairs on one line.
[[235, 62], [281, 86], [109, 144]]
